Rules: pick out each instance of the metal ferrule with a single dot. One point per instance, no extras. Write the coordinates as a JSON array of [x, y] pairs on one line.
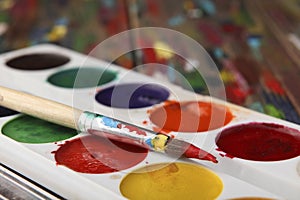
[[113, 129]]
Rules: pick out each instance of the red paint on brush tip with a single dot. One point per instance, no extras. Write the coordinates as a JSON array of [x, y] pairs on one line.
[[195, 152]]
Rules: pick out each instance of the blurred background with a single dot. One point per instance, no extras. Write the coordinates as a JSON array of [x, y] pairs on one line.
[[255, 44]]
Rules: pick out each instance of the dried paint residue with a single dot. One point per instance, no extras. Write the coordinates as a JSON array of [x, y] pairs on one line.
[[95, 155], [260, 142], [171, 181], [190, 116], [133, 129]]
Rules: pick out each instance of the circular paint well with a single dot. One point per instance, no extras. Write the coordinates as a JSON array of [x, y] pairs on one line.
[[81, 77], [171, 181], [133, 95], [37, 61], [190, 116], [28, 129], [260, 142], [6, 112], [96, 155]]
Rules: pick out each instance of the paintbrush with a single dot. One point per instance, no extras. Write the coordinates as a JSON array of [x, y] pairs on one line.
[[99, 125]]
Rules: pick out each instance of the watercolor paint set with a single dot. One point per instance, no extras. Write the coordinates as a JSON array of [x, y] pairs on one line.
[[258, 155]]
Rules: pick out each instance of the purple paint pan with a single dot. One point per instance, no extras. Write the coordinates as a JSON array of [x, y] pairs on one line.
[[133, 95]]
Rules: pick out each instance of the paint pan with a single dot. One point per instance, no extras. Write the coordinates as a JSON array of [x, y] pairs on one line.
[[28, 129], [85, 77], [132, 95], [190, 116], [171, 181], [37, 61], [260, 142], [95, 155], [106, 169]]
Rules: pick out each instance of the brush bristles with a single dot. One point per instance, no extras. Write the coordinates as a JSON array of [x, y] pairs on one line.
[[176, 147]]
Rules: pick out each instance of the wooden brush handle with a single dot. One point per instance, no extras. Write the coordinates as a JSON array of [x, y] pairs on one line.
[[39, 107]]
